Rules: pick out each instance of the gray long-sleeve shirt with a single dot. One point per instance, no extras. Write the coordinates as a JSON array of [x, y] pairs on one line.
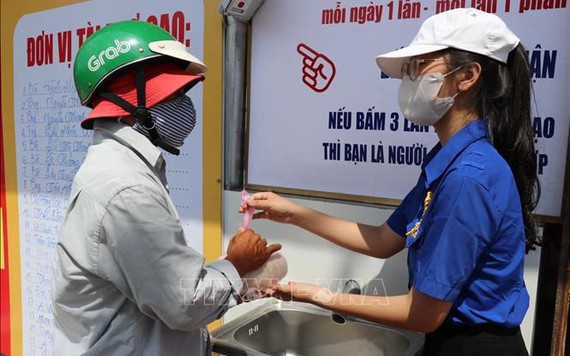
[[124, 280]]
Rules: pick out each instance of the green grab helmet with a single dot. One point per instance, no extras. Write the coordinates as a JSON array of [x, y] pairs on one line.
[[119, 45]]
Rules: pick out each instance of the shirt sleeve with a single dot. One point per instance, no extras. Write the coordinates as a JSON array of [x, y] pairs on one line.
[[149, 261], [406, 211], [459, 223]]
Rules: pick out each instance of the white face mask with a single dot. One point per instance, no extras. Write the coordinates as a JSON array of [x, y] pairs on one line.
[[418, 98]]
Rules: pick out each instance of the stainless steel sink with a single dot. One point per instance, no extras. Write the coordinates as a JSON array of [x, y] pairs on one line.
[[290, 328]]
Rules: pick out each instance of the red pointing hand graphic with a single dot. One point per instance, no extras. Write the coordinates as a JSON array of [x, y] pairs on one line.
[[318, 69]]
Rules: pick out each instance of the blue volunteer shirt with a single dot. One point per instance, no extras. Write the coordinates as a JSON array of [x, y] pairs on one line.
[[465, 233]]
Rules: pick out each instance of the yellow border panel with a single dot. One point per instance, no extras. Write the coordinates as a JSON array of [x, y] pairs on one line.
[[212, 134]]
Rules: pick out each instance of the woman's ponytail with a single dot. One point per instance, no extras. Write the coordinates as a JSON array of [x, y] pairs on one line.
[[503, 99]]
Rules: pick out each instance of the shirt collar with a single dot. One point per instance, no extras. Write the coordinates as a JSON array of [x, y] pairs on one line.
[[130, 138], [441, 157]]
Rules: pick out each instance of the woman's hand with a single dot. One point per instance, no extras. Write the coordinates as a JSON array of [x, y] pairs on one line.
[[273, 207], [302, 292]]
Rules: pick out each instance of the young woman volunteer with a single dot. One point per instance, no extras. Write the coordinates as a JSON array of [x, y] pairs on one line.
[[467, 222]]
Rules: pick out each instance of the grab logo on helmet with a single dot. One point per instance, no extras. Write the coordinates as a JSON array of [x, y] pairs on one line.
[[110, 53]]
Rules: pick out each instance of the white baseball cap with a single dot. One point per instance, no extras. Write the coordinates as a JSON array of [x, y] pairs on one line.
[[468, 29]]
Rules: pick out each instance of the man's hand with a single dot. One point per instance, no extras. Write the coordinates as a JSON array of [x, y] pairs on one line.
[[248, 251]]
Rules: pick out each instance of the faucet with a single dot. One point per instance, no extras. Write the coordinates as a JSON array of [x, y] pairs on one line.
[[350, 287]]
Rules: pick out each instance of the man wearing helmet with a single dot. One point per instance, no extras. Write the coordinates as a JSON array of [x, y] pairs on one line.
[[124, 280]]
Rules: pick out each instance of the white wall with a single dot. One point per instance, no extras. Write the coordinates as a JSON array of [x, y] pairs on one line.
[[314, 260]]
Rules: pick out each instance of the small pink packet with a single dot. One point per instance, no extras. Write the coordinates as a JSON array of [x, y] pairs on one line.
[[248, 211]]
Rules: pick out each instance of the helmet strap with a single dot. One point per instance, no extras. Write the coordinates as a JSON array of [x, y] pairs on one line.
[[140, 112]]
